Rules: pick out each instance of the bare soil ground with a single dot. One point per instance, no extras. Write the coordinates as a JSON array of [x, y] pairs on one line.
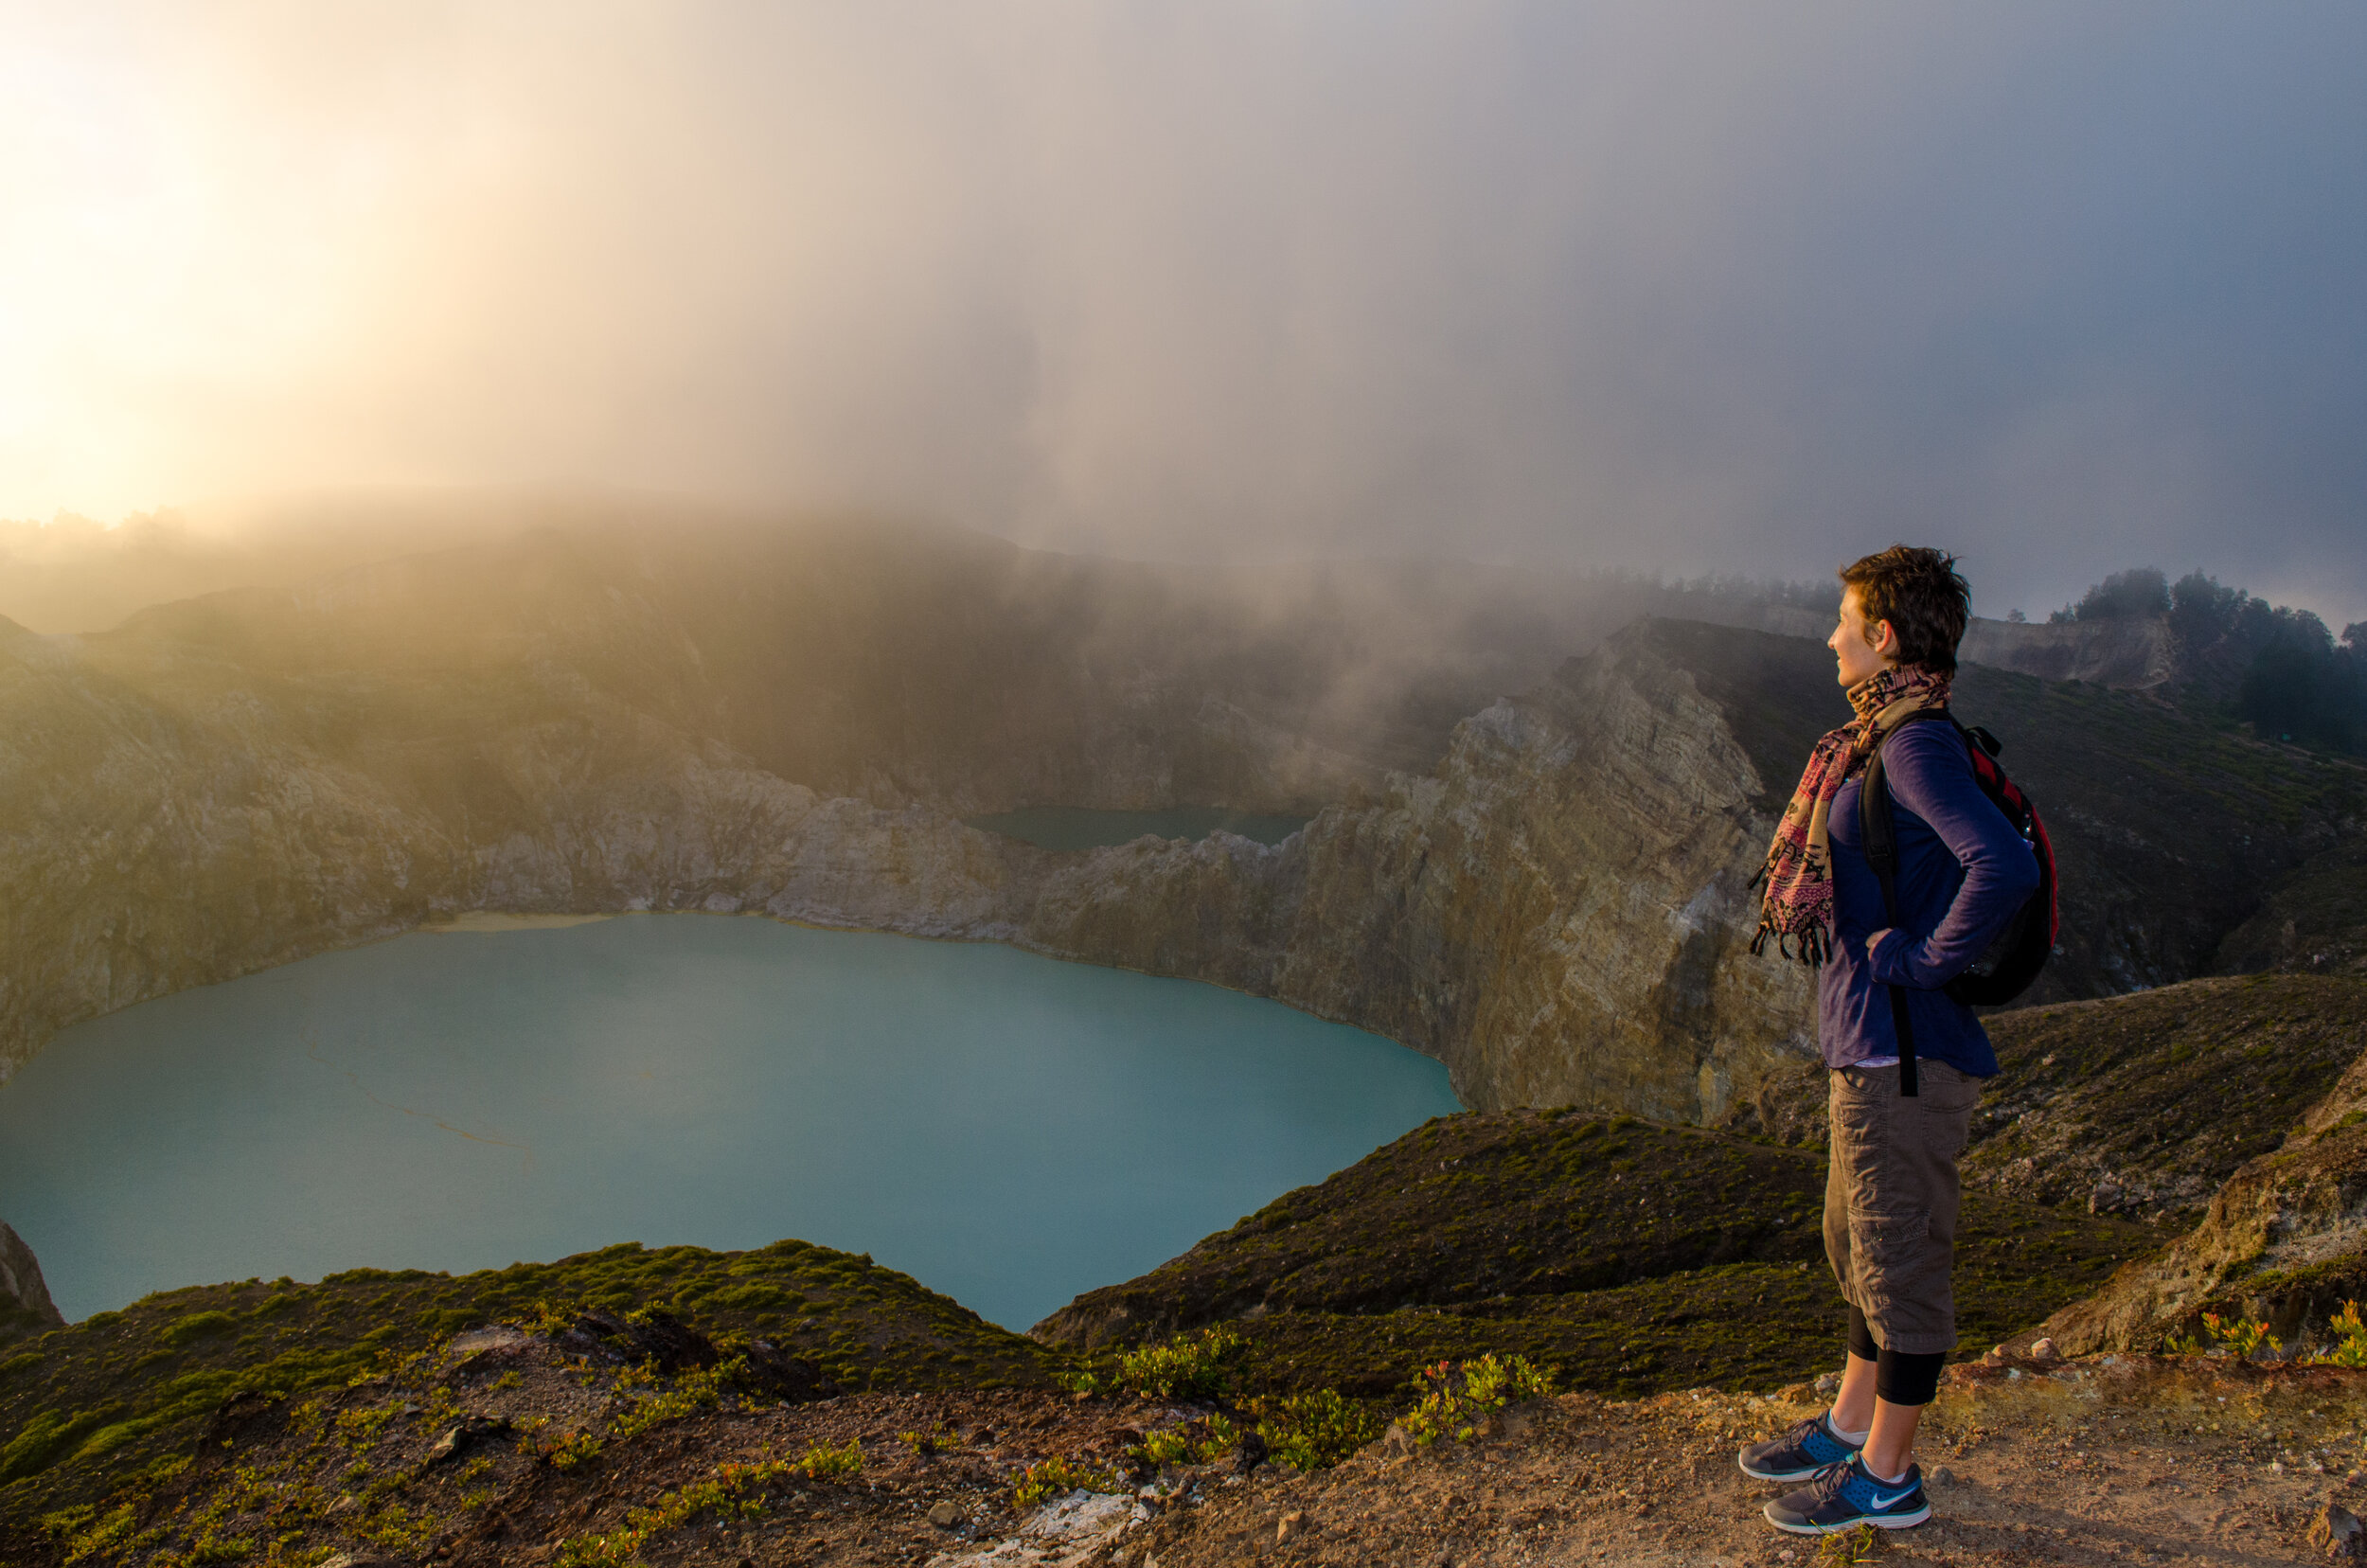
[[2136, 1462]]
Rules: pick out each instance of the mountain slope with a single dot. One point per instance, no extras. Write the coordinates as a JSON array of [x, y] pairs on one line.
[[1635, 1256]]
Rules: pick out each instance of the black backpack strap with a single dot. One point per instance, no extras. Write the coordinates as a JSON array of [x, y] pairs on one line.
[[1881, 853]]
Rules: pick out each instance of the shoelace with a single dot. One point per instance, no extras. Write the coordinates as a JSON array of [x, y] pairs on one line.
[[1827, 1482], [1801, 1431]]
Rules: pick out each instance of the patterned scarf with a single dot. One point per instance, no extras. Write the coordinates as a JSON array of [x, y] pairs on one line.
[[1799, 869]]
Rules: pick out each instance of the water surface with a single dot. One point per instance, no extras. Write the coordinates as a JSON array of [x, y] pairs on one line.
[[1078, 827], [1008, 1129]]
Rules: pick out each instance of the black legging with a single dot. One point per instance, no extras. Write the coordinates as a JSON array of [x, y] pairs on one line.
[[1900, 1379]]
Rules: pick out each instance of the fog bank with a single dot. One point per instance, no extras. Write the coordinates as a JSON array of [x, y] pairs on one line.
[[1667, 287]]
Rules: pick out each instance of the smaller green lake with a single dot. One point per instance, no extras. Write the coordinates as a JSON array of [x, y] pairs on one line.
[[1078, 828]]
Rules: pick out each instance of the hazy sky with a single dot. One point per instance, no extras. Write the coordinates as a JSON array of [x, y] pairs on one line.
[[1750, 287]]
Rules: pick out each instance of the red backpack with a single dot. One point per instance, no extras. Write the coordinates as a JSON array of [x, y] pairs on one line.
[[2020, 950]]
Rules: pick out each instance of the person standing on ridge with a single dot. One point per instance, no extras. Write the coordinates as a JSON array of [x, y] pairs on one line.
[[1891, 1189]]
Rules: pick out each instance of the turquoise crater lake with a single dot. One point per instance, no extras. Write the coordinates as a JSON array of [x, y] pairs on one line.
[[1007, 1128]]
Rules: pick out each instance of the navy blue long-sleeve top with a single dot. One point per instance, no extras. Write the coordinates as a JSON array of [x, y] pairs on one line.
[[1961, 873]]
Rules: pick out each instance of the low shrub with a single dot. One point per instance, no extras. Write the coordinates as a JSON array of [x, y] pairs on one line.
[[1311, 1431], [196, 1326], [821, 1463], [1192, 1443], [2351, 1345], [724, 1496], [1458, 1394], [1058, 1478], [1193, 1368], [2237, 1336]]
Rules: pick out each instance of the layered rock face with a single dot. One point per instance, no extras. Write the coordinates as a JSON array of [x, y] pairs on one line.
[[1560, 913]]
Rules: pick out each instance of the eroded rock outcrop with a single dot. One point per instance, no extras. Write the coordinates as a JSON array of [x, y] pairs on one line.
[[2284, 1240], [24, 1294]]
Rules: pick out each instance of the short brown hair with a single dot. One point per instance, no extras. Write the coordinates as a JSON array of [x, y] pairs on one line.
[[1923, 596]]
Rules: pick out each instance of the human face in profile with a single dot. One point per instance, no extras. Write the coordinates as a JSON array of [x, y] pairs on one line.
[[1859, 651]]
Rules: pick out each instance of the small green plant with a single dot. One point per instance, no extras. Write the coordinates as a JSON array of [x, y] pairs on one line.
[[1458, 1396], [1311, 1431], [2241, 1338], [360, 1428], [725, 1497], [1850, 1548], [2351, 1348], [692, 1392], [823, 1463], [1192, 1443], [936, 1440], [546, 1319], [1182, 1368], [88, 1532], [569, 1450], [1058, 1478]]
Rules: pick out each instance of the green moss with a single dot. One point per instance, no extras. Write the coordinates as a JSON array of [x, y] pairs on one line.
[[196, 1326]]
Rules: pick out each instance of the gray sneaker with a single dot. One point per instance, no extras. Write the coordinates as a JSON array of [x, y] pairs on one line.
[[1844, 1497], [1797, 1454]]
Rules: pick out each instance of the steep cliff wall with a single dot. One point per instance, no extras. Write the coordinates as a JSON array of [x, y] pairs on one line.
[[1559, 914]]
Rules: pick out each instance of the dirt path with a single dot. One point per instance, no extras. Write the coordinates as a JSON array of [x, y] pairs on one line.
[[2101, 1464]]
